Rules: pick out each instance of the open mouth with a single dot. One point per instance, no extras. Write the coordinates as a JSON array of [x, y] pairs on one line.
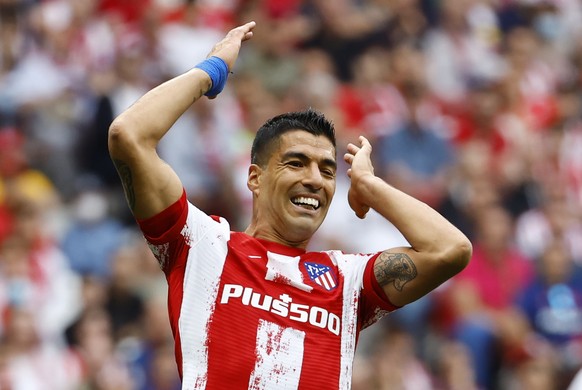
[[307, 203]]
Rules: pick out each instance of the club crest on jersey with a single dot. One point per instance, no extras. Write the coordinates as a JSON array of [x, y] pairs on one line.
[[322, 275]]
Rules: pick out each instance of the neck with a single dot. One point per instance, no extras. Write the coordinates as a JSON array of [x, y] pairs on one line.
[[255, 231]]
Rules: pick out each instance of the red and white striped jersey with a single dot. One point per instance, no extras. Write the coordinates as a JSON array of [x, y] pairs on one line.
[[252, 314]]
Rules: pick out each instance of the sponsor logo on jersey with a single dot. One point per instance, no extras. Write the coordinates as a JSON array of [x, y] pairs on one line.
[[322, 275], [284, 307]]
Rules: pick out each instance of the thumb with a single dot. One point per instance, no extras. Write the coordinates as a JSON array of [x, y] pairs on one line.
[[362, 212], [359, 208]]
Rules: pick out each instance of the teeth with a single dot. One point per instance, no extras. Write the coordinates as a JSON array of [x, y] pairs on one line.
[[306, 201]]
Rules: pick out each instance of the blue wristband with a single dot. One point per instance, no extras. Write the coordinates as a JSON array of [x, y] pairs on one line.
[[218, 72]]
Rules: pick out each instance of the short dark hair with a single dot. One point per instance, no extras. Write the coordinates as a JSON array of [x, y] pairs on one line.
[[309, 120]]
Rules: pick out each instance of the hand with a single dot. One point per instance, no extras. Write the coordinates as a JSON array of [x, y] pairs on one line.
[[229, 47], [359, 158]]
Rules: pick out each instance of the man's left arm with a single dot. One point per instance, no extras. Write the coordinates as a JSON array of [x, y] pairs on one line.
[[438, 250]]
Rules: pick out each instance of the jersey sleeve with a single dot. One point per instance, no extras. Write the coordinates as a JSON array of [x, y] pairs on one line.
[[163, 226], [374, 304], [171, 232]]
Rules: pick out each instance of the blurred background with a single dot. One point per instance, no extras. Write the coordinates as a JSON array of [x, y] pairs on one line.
[[472, 106]]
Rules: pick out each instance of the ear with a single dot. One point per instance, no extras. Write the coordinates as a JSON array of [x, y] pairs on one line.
[[254, 178]]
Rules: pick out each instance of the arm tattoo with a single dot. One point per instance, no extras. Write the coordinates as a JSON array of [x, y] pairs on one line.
[[127, 181], [395, 268]]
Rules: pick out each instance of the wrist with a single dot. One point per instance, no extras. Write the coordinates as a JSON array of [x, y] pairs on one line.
[[204, 79], [366, 185], [364, 181], [217, 71]]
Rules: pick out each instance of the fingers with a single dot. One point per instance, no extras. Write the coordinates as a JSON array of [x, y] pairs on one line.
[[235, 36], [228, 48], [365, 145], [364, 150], [244, 32], [249, 25], [364, 142], [248, 32], [354, 149]]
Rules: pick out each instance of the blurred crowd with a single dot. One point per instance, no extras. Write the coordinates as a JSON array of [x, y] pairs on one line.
[[473, 106]]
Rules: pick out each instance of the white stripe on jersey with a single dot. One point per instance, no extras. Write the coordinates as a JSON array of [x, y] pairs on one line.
[[201, 284], [285, 269], [352, 267], [279, 353]]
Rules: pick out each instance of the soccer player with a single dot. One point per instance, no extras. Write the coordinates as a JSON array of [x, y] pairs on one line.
[[254, 309]]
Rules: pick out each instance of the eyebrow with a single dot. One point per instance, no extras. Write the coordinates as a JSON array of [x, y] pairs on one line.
[[303, 157]]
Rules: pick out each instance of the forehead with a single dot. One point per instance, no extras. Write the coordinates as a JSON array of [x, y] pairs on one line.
[[305, 142]]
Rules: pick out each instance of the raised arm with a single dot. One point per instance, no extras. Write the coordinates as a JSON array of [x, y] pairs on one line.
[[149, 183], [438, 249]]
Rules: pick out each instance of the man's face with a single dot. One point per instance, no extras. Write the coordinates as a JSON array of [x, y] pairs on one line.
[[295, 188]]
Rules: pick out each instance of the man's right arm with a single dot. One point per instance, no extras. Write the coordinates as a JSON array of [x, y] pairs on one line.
[[149, 183]]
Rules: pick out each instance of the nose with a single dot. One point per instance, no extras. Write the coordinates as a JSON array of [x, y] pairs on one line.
[[313, 178]]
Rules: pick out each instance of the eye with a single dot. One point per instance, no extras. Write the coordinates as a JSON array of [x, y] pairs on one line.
[[328, 172], [295, 164]]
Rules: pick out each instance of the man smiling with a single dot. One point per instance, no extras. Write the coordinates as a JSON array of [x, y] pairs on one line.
[[293, 179], [254, 309]]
